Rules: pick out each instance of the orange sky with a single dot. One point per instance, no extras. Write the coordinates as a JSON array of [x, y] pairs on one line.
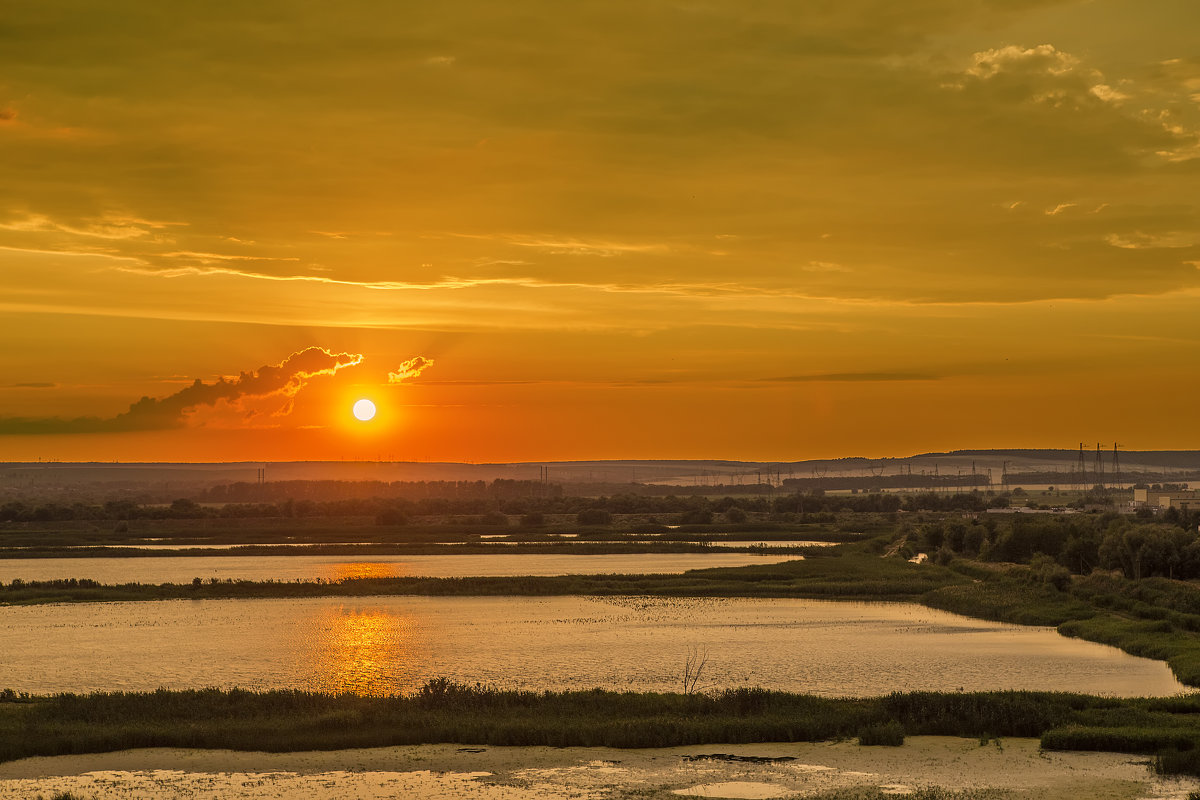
[[764, 231]]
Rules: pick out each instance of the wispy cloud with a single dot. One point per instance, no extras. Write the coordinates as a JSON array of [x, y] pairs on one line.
[[1152, 241], [114, 227], [285, 379], [825, 266], [838, 377], [569, 245], [211, 258], [410, 369]]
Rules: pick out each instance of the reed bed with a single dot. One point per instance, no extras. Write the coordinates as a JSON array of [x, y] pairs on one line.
[[443, 711]]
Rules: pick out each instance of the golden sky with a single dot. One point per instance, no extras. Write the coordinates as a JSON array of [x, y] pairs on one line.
[[746, 230]]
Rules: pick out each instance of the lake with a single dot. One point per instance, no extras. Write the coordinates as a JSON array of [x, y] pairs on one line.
[[394, 644], [176, 569]]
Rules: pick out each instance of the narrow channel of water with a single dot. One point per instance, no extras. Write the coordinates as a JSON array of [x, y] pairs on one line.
[[176, 569]]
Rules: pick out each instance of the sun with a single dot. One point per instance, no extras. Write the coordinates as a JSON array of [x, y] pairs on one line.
[[364, 410]]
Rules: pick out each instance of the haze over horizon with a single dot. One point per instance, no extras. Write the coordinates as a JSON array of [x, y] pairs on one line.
[[654, 230]]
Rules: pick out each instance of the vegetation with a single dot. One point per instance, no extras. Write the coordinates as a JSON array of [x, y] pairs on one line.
[[443, 711], [1079, 543], [861, 577], [400, 503], [889, 734]]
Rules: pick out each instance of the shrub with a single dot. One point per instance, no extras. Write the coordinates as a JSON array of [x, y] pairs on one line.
[[391, 516], [1178, 762], [593, 516], [888, 734]]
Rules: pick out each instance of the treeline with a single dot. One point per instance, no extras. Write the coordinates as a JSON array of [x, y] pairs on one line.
[[504, 498], [595, 510], [482, 500], [324, 491], [878, 482], [1079, 543]]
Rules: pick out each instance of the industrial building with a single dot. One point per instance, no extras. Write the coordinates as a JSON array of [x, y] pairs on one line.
[[1159, 499]]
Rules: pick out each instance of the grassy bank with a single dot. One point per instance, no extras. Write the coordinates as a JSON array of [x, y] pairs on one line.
[[852, 577], [445, 712], [1153, 618], [183, 533]]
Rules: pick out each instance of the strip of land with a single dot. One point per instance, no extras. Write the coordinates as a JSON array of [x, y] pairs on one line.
[[442, 711]]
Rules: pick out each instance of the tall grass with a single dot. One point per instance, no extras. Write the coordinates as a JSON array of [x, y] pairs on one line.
[[445, 711]]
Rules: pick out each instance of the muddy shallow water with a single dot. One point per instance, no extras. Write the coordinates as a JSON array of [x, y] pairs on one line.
[[442, 772]]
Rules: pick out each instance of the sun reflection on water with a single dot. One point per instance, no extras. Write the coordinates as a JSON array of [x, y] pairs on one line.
[[368, 569], [367, 651]]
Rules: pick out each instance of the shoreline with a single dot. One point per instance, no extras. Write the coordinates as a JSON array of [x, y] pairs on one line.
[[513, 773]]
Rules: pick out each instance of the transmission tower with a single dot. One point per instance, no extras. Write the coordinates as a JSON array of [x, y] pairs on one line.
[[1082, 485], [1116, 468]]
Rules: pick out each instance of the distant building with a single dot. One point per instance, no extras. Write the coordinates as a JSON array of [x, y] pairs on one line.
[[1162, 500]]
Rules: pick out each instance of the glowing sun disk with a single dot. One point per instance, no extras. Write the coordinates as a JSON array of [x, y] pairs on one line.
[[364, 410]]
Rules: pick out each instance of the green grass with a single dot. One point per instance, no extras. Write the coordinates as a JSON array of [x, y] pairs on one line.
[[887, 734], [860, 577], [446, 712]]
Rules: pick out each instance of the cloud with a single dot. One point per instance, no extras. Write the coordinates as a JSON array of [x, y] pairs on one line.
[[1044, 58], [112, 227], [34, 385], [410, 369], [1152, 241], [149, 413], [825, 266], [1108, 94], [856, 376], [210, 258]]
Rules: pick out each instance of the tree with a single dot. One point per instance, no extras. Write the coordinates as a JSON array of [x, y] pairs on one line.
[[594, 516]]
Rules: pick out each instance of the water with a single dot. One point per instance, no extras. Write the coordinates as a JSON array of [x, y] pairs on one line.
[[492, 539], [446, 772], [175, 569], [394, 644]]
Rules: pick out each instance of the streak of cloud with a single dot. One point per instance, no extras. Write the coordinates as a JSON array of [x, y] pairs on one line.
[[148, 414], [856, 376]]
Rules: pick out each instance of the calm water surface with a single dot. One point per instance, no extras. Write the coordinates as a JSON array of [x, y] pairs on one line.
[[171, 569], [386, 645]]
